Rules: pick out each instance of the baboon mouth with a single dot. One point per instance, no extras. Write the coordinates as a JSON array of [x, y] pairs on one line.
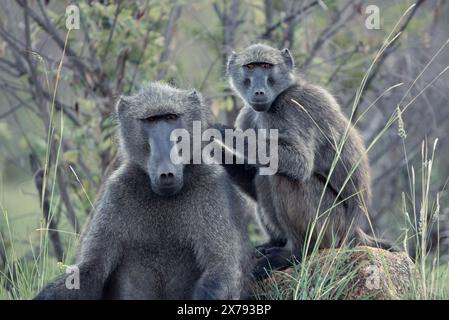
[[167, 191], [260, 106]]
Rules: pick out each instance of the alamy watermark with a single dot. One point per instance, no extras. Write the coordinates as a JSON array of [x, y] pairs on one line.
[[72, 21], [372, 20], [257, 147], [72, 281]]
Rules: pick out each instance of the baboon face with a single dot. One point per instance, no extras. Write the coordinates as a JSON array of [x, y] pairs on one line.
[[166, 177], [259, 74], [147, 121]]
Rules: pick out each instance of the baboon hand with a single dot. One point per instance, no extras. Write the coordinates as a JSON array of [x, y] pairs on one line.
[[216, 286], [263, 249], [276, 258]]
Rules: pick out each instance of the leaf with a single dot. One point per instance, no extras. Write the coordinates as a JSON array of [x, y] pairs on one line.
[[5, 133], [71, 156]]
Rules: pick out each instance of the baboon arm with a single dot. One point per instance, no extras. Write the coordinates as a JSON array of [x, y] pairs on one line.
[[98, 257], [296, 157], [218, 283], [89, 286], [241, 174], [219, 257], [57, 290], [337, 179]]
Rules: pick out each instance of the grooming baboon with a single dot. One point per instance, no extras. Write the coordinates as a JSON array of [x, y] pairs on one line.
[[161, 230], [311, 126]]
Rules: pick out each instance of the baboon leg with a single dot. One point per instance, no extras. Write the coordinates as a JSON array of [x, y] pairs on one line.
[[91, 286], [268, 214]]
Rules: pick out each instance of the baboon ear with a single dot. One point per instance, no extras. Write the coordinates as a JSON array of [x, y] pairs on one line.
[[195, 96], [288, 59], [231, 61], [122, 104]]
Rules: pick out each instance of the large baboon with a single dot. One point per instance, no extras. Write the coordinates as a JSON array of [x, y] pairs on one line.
[[311, 127], [161, 230]]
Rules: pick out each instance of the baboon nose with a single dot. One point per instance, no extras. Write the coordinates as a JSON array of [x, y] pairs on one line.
[[259, 93], [167, 178]]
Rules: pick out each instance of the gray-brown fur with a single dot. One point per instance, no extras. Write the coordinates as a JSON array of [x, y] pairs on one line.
[[140, 245], [289, 199]]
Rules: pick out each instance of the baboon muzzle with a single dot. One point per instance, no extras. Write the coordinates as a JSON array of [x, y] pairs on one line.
[[166, 177]]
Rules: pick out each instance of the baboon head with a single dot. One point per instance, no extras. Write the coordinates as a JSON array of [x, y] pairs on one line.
[[259, 73], [146, 122]]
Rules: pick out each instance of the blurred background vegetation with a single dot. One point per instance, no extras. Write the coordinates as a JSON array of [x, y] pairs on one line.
[[55, 150]]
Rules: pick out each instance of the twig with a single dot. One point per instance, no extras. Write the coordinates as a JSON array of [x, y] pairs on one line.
[[334, 26], [43, 194], [343, 63], [70, 210], [11, 111], [48, 27], [111, 33], [175, 13], [386, 54], [120, 74], [270, 29]]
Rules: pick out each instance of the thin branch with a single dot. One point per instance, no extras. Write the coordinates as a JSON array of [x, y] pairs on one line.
[[144, 48], [11, 111], [175, 13], [343, 63], [294, 15], [333, 27], [120, 73], [70, 210], [38, 180], [394, 45], [48, 27], [118, 9]]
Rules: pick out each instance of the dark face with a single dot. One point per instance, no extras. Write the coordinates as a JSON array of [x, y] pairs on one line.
[[258, 81], [259, 74], [165, 176]]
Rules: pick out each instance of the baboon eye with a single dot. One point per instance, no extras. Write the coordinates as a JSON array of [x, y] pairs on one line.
[[266, 65], [171, 116], [151, 119], [246, 82], [250, 66]]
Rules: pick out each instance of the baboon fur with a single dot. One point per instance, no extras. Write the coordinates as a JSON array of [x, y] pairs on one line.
[[311, 127], [140, 245]]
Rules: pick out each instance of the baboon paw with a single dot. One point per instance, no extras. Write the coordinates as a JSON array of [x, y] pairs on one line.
[[265, 248], [276, 258]]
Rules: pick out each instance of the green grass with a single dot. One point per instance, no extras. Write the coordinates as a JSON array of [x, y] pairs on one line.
[[30, 262], [20, 199], [331, 278], [419, 220], [315, 278]]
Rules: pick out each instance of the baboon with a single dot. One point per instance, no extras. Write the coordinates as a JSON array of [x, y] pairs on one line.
[[311, 127], [161, 230]]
